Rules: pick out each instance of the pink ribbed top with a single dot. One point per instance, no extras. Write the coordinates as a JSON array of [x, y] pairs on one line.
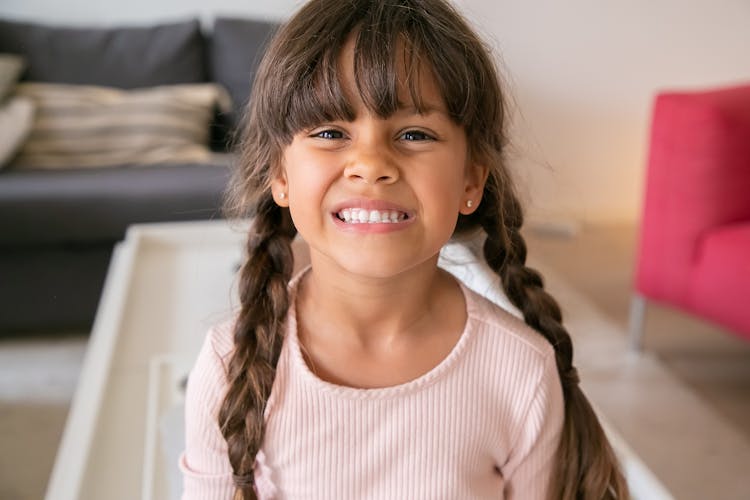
[[484, 423]]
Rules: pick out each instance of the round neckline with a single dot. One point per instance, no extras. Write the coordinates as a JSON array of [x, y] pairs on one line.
[[428, 378]]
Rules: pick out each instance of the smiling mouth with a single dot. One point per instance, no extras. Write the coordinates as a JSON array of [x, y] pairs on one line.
[[364, 216]]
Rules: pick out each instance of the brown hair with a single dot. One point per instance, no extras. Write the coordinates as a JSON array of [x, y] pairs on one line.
[[297, 87]]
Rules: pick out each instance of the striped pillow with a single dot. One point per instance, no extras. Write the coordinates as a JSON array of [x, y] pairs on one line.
[[79, 126]]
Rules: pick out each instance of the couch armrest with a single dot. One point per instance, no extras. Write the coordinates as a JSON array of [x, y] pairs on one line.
[[698, 178]]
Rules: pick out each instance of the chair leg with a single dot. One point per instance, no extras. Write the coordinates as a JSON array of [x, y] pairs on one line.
[[637, 320]]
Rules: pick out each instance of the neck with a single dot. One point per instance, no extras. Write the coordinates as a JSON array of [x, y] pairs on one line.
[[369, 311]]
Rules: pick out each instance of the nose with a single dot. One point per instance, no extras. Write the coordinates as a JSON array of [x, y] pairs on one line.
[[371, 164]]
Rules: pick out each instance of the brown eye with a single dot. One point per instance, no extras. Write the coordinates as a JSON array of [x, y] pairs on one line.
[[416, 135], [329, 134]]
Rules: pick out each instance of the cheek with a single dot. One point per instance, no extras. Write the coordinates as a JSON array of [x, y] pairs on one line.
[[300, 182], [309, 182], [305, 174], [450, 181]]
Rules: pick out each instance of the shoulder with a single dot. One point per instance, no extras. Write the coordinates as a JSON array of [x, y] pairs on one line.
[[211, 362], [498, 327], [509, 358], [220, 339], [516, 365]]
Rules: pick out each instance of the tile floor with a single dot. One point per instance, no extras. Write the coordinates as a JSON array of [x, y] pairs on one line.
[[37, 381], [714, 363], [684, 404]]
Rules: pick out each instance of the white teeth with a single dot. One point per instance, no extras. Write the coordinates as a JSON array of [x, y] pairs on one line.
[[362, 216]]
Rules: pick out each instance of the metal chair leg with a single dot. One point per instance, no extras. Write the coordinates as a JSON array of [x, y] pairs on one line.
[[637, 320]]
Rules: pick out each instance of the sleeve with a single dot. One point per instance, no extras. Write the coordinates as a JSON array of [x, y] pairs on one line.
[[206, 471], [528, 472]]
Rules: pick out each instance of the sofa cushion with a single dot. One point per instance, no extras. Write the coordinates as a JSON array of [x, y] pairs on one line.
[[90, 126], [39, 207], [720, 283], [236, 48], [126, 57]]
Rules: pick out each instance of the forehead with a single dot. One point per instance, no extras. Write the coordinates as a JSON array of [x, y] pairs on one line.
[[411, 77]]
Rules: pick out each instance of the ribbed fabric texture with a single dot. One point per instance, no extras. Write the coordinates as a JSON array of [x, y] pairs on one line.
[[484, 423]]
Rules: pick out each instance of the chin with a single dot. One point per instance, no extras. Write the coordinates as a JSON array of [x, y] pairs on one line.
[[378, 267]]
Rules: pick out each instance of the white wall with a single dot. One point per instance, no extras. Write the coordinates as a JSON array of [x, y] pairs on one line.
[[581, 75]]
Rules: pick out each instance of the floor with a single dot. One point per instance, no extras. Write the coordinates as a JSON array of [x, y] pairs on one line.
[[683, 404], [709, 368], [711, 361], [37, 382]]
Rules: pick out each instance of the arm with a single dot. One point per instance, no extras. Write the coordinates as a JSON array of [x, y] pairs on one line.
[[205, 466], [528, 471]]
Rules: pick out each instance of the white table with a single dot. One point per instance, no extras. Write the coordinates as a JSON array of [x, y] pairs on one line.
[[167, 284]]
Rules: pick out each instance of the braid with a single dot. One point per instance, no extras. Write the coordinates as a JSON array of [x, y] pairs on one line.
[[586, 464], [258, 336]]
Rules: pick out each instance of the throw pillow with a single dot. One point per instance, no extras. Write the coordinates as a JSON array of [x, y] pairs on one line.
[[11, 66], [80, 126], [16, 119]]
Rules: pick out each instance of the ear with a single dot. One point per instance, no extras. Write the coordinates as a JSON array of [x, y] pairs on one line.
[[280, 189], [475, 179]]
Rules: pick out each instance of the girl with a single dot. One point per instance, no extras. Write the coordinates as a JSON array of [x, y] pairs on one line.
[[376, 130]]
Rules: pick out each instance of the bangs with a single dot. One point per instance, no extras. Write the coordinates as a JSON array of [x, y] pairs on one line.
[[393, 42]]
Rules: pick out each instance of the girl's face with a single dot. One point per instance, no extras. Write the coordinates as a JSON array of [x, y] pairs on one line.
[[376, 197]]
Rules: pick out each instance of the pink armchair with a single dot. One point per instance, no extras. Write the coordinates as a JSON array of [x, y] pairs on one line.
[[694, 251]]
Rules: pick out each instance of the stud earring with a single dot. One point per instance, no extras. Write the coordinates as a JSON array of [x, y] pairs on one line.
[[469, 203], [282, 195]]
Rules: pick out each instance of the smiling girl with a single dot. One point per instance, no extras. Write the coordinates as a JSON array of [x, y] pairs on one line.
[[375, 130]]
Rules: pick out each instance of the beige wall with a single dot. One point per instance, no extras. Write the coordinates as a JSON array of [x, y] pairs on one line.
[[581, 75]]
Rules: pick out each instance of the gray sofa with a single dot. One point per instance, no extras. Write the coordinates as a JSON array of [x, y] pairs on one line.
[[58, 227]]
